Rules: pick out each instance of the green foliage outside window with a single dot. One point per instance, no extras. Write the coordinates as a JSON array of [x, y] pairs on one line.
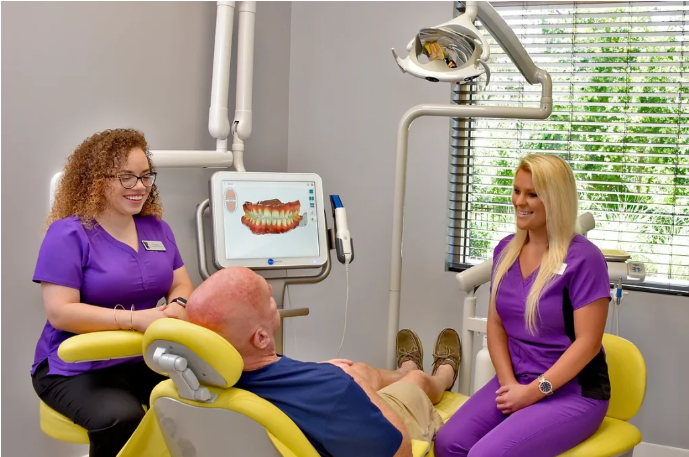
[[620, 118]]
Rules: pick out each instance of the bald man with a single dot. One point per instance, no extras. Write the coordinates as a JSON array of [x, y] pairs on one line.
[[345, 409]]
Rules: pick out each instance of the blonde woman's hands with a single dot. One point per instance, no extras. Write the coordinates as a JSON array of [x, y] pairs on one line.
[[513, 397]]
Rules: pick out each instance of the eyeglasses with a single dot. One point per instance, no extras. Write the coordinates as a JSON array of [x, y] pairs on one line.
[[129, 180]]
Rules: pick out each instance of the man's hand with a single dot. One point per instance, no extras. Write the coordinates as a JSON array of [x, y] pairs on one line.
[[513, 397], [175, 311], [342, 363]]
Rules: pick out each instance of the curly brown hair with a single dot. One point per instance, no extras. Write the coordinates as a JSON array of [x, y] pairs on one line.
[[81, 191]]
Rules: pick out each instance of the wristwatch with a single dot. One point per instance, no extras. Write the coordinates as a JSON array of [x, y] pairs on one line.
[[182, 302], [544, 385]]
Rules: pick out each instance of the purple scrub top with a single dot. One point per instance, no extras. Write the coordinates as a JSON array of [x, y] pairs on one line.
[[584, 280], [106, 272]]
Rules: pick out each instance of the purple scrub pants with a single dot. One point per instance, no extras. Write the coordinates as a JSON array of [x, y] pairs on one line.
[[547, 428]]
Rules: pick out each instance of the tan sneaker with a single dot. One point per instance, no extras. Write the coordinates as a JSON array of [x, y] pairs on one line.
[[409, 348], [447, 351]]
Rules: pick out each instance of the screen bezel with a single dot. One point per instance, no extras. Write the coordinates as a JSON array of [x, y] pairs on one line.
[[216, 204]]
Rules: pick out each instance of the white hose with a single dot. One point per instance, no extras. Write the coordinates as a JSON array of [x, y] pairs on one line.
[[344, 330]]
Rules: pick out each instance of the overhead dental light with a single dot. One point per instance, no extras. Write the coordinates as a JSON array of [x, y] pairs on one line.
[[454, 52]]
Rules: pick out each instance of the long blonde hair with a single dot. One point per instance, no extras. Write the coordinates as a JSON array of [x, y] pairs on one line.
[[554, 183]]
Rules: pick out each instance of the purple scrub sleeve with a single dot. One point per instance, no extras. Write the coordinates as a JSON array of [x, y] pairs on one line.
[[106, 272], [591, 281]]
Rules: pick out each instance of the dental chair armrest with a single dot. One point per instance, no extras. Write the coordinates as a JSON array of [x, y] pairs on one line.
[[112, 344]]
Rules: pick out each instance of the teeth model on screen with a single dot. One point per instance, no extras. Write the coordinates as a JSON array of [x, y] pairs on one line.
[[271, 216]]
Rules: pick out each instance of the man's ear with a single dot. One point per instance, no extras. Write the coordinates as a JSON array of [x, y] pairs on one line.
[[261, 338]]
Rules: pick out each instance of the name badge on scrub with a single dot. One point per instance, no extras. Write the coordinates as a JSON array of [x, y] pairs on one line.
[[153, 245]]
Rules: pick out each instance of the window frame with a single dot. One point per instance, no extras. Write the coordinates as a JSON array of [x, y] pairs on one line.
[[459, 205]]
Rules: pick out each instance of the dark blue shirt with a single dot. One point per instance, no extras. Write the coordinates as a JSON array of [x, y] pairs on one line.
[[327, 405]]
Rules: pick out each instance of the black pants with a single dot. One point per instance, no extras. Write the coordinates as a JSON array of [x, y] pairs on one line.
[[105, 402]]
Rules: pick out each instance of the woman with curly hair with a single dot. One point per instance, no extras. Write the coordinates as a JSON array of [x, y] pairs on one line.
[[106, 261]]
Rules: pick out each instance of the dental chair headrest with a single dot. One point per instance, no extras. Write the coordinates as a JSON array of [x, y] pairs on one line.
[[211, 357]]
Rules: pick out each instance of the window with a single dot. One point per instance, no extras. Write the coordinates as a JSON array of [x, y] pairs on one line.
[[620, 118]]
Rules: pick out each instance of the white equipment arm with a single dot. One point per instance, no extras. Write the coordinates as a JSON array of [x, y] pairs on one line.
[[218, 121], [533, 74], [242, 125]]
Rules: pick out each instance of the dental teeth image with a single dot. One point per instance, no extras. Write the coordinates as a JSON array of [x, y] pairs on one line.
[[271, 216]]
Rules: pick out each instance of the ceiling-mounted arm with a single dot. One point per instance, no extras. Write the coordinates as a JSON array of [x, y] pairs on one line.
[[218, 120], [507, 40], [470, 14], [242, 125], [514, 49]]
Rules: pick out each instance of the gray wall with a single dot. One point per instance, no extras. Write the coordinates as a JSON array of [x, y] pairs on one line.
[[343, 124], [71, 69]]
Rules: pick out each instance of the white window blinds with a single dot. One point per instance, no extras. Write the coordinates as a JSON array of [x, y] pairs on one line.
[[620, 118]]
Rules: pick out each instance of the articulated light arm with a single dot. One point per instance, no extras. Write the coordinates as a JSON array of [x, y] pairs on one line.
[[507, 40], [400, 186], [532, 73]]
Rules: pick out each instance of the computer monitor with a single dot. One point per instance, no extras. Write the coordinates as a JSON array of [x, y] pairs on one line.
[[268, 220]]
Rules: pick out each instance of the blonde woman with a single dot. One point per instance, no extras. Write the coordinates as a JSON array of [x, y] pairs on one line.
[[548, 307]]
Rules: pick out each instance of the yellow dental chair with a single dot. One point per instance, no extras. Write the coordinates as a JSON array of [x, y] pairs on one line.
[[198, 412], [250, 423], [627, 370], [615, 437], [82, 348], [199, 402]]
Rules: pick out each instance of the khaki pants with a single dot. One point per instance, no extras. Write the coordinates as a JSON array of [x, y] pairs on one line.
[[415, 409]]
